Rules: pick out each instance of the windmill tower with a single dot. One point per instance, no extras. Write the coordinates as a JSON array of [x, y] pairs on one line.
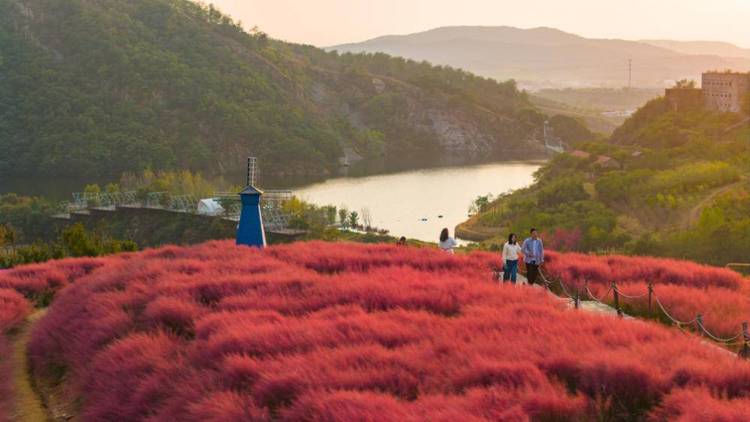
[[250, 230]]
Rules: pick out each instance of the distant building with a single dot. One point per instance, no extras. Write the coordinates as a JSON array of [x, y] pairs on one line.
[[683, 99], [720, 91], [580, 154], [724, 91]]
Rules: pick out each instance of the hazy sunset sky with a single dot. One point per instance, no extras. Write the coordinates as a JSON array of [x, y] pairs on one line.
[[329, 22]]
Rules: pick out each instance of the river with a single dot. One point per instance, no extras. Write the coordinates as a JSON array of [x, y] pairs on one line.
[[418, 204]]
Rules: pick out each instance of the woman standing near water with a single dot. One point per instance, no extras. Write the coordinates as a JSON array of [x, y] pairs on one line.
[[511, 250], [447, 243]]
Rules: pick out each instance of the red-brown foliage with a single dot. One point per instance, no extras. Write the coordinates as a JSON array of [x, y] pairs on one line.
[[684, 288], [36, 280], [13, 309], [340, 332], [700, 406]]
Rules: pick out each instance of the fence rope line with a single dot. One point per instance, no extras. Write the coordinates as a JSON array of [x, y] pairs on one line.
[[592, 296], [713, 337], [668, 315], [744, 344], [565, 290], [623, 295]]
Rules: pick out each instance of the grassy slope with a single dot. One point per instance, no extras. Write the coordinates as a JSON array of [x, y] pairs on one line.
[[688, 184], [98, 88]]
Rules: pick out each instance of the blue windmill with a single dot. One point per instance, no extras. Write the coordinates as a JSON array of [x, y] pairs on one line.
[[250, 230]]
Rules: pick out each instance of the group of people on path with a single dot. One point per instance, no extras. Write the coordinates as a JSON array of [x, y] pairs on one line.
[[532, 250]]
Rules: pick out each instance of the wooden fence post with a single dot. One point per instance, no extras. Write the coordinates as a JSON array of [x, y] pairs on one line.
[[578, 299], [650, 296], [699, 323], [745, 350], [617, 298], [586, 288]]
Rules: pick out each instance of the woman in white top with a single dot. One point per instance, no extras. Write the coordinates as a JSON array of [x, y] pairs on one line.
[[447, 243], [511, 250]]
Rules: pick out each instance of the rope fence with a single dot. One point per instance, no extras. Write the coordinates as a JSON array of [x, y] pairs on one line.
[[697, 323]]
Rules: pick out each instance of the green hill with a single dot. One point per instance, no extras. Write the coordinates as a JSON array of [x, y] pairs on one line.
[[96, 88], [666, 183]]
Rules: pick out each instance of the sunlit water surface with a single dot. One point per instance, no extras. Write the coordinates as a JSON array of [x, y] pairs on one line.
[[411, 203]]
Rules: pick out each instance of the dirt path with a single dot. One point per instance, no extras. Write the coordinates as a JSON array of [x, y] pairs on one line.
[[28, 405], [694, 214], [595, 307]]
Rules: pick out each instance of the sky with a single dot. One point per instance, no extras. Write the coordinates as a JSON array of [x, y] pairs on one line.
[[330, 22]]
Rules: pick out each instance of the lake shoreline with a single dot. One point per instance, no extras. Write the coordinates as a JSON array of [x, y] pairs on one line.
[[419, 203]]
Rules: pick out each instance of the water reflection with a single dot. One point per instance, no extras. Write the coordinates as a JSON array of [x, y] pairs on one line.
[[417, 204]]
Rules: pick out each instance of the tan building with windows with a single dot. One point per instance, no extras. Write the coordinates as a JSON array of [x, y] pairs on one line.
[[724, 91]]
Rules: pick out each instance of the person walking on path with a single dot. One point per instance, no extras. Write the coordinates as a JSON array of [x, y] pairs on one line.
[[533, 255], [511, 250], [447, 243]]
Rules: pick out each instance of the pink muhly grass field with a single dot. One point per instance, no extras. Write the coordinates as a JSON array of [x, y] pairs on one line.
[[341, 332], [686, 289]]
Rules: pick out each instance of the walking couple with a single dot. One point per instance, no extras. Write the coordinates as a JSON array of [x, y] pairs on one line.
[[533, 256]]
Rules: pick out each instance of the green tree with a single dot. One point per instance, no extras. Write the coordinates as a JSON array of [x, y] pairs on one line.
[[8, 237], [344, 217], [685, 84], [92, 195], [229, 204], [77, 242], [112, 188], [3, 237], [481, 203], [330, 212], [353, 219]]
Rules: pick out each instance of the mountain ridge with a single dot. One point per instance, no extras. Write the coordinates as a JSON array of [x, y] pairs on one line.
[[698, 47], [547, 57]]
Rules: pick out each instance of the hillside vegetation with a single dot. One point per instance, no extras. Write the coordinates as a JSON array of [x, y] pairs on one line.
[[676, 185], [98, 88], [603, 109], [340, 332]]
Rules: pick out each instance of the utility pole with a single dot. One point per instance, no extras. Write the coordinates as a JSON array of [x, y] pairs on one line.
[[630, 73]]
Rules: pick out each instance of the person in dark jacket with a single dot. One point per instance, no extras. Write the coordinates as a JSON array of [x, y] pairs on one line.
[[533, 255]]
